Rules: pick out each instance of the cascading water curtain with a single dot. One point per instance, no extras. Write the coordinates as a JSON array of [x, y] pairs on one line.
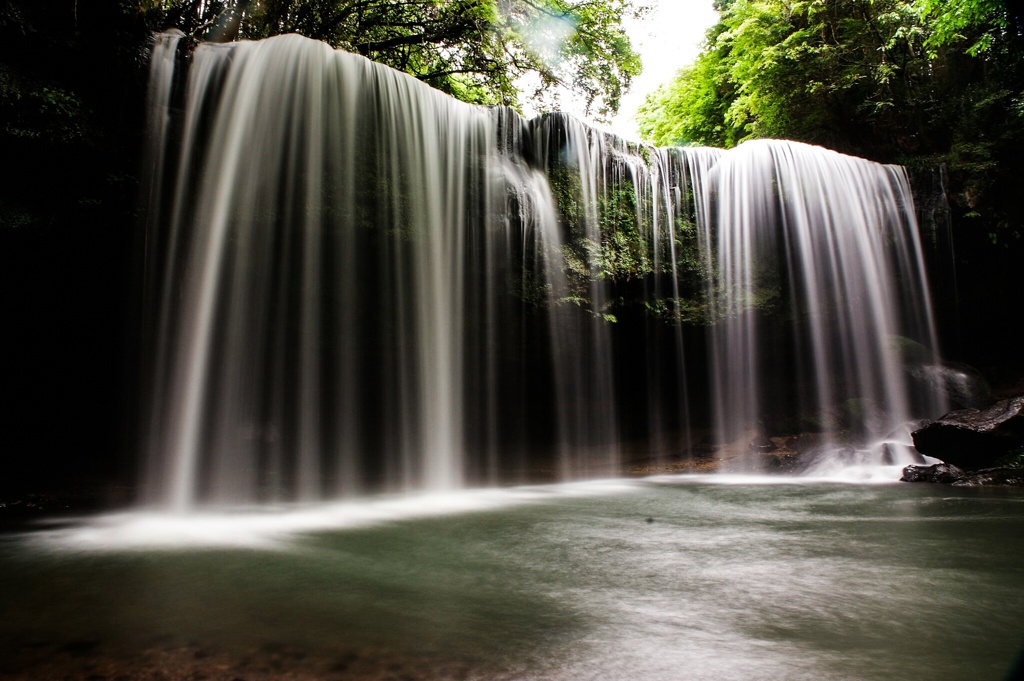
[[314, 297], [819, 286], [356, 283]]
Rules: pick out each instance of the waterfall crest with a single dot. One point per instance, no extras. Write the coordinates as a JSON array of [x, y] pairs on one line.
[[356, 283]]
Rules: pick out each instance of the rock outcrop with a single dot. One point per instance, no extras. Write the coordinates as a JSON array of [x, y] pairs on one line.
[[951, 475], [973, 439]]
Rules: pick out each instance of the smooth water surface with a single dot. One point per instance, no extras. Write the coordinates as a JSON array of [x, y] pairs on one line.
[[667, 578]]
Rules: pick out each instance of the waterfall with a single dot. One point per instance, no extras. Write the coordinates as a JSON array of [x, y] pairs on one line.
[[833, 240], [356, 283]]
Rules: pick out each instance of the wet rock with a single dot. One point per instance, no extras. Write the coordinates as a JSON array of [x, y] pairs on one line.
[[963, 386], [951, 475], [993, 477], [761, 443], [939, 472], [973, 439]]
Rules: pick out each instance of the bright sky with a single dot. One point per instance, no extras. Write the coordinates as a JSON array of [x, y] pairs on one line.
[[667, 39]]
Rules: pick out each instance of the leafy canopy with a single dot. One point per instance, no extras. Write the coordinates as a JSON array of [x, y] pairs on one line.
[[878, 77], [480, 51], [976, 22], [815, 70]]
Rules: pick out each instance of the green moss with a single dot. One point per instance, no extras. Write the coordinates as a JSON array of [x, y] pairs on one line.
[[635, 251]]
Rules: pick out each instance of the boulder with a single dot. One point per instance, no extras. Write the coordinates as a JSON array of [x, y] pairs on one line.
[[973, 439], [939, 472]]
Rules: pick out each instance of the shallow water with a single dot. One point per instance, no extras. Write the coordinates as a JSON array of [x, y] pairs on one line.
[[666, 578]]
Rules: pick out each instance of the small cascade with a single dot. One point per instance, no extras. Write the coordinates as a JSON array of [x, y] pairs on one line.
[[819, 285], [356, 283], [581, 344]]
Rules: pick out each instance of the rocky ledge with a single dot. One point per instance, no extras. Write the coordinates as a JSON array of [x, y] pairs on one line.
[[974, 439], [951, 475]]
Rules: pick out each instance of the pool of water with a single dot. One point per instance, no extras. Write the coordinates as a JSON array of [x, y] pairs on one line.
[[666, 578]]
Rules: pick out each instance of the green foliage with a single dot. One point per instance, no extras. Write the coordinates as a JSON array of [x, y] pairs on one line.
[[692, 309], [614, 261], [923, 83], [822, 72], [616, 249], [623, 252], [975, 23], [691, 110], [919, 82], [41, 111], [479, 51], [70, 78]]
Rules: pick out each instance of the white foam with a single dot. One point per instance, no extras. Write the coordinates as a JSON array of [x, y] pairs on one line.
[[276, 527], [866, 474]]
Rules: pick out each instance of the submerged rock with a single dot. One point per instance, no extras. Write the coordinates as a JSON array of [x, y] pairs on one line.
[[974, 438]]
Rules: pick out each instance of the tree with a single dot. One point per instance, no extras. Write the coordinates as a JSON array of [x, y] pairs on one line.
[[479, 51], [979, 23], [692, 108], [844, 74]]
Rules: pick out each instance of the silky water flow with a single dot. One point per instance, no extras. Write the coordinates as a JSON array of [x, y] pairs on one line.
[[356, 283]]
